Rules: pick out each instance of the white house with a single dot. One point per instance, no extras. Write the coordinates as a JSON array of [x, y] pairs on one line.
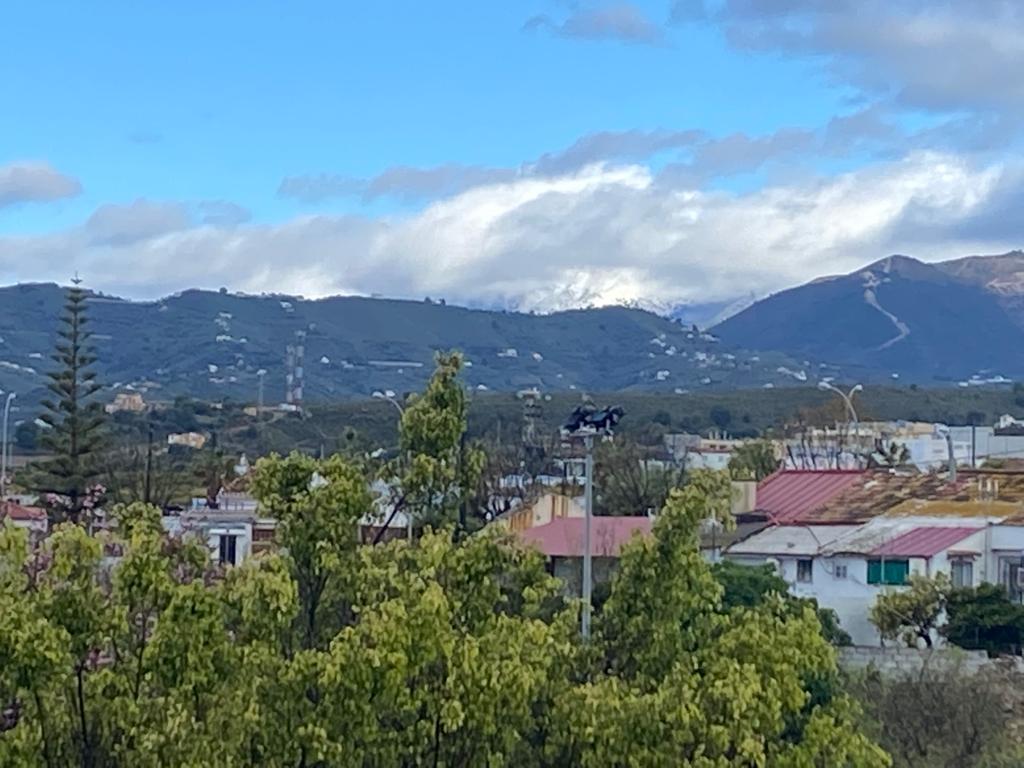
[[846, 567]]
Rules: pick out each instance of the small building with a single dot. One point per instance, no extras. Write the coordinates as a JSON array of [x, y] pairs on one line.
[[843, 538], [561, 542], [193, 440], [698, 452], [31, 519], [127, 401], [549, 507], [232, 535]]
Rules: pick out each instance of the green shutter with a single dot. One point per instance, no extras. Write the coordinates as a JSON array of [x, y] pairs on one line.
[[892, 572], [896, 571], [874, 571]]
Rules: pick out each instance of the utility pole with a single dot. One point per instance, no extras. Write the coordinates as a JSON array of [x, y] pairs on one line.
[[584, 423], [974, 432], [6, 450], [147, 492], [588, 506]]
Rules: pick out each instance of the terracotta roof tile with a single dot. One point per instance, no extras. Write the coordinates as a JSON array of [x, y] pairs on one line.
[[18, 512], [563, 537]]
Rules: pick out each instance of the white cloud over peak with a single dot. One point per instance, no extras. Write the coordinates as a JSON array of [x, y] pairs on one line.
[[603, 234]]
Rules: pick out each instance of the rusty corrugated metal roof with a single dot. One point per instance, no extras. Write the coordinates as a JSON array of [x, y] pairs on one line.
[[977, 493], [925, 541], [791, 495]]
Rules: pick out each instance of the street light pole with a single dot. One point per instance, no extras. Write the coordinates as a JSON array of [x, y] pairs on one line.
[[848, 401], [408, 459], [588, 507], [584, 423], [6, 449]]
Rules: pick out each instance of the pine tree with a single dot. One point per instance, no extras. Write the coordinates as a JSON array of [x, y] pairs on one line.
[[68, 479]]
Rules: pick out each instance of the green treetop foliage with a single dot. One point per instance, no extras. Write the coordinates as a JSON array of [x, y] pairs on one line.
[[684, 682], [436, 471], [68, 479], [129, 648], [754, 461], [318, 506], [912, 615], [984, 618], [749, 586]]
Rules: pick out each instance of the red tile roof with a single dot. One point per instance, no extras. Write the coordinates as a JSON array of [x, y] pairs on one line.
[[563, 537], [791, 494], [925, 541], [18, 512]]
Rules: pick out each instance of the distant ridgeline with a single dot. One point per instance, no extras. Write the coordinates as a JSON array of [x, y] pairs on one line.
[[958, 323]]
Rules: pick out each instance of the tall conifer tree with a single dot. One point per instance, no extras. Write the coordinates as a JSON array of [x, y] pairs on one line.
[[68, 479]]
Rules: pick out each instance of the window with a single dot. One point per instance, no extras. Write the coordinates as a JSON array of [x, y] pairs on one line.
[[1010, 569], [962, 572], [892, 572], [840, 572], [227, 549], [804, 570]]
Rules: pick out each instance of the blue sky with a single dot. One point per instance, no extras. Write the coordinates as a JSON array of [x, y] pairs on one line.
[[404, 148]]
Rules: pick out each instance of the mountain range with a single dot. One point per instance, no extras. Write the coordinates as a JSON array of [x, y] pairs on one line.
[[213, 345], [958, 321]]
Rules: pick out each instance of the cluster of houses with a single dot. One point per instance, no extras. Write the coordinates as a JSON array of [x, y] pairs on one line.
[[839, 536]]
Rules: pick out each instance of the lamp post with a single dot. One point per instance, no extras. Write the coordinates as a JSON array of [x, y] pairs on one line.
[[6, 449], [585, 425], [384, 396], [847, 398], [588, 514], [401, 414]]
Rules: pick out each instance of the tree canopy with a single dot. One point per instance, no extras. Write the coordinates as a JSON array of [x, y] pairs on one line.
[[122, 646], [912, 615]]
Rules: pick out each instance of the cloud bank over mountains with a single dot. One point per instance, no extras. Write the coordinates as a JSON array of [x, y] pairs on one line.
[[924, 160]]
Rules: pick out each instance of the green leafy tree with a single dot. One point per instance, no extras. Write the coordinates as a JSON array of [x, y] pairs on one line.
[[720, 416], [754, 461], [74, 419], [912, 614], [436, 472], [457, 659], [747, 586], [984, 618], [681, 681], [318, 505], [750, 586], [133, 664]]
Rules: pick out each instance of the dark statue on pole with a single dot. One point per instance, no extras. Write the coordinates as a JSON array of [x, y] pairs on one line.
[[588, 418]]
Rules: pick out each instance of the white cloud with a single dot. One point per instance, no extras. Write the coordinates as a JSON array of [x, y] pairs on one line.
[[619, 21], [605, 234], [945, 56], [34, 183], [117, 225]]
